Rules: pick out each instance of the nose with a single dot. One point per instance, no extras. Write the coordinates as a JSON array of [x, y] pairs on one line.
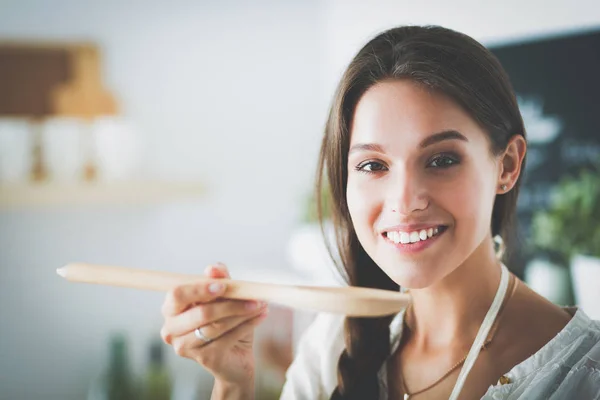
[[406, 194]]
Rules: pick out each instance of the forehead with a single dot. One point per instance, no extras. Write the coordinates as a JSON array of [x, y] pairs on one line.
[[403, 109]]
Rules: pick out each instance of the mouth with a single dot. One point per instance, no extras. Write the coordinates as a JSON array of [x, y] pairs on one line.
[[415, 240]]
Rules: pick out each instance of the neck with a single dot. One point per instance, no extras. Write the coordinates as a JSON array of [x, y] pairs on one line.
[[449, 313]]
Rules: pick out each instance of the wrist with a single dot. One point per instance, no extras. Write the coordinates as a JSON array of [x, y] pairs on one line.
[[228, 390]]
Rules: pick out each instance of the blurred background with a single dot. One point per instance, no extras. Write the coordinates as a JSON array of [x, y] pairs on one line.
[[170, 136]]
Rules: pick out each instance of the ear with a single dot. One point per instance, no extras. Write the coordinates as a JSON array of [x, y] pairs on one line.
[[510, 164]]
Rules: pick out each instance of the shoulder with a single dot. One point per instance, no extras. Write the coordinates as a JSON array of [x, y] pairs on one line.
[[313, 373], [324, 339], [575, 347], [578, 344], [568, 366]]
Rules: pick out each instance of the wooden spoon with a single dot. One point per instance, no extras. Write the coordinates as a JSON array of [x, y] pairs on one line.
[[351, 301]]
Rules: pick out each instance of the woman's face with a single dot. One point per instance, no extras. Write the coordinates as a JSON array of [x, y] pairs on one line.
[[421, 182]]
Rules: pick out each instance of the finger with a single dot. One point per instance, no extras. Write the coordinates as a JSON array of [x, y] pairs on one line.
[[218, 270], [219, 328], [208, 313], [230, 338], [182, 297], [188, 344]]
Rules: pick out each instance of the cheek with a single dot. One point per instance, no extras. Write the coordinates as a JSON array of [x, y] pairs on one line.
[[470, 202], [362, 205]]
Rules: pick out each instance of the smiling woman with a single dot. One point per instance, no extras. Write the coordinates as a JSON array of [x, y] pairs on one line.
[[423, 152]]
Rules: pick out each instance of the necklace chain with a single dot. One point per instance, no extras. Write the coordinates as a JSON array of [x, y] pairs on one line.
[[408, 395]]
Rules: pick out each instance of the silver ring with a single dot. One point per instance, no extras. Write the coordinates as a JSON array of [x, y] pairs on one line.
[[200, 335]]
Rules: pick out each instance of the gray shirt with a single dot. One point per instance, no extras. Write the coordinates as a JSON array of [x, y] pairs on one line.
[[567, 367]]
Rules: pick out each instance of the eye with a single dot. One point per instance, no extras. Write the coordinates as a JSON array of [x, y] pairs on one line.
[[370, 167], [443, 161]]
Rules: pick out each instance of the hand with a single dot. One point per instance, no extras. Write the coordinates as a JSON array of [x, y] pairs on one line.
[[228, 324]]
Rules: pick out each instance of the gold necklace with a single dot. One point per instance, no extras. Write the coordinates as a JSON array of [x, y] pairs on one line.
[[408, 395]]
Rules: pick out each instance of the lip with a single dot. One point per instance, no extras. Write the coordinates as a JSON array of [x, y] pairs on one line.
[[410, 227], [412, 248]]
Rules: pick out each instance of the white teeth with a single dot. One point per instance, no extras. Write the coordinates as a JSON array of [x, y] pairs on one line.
[[411, 237], [414, 237], [404, 237]]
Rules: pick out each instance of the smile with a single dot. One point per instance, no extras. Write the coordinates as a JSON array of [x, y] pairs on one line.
[[415, 236]]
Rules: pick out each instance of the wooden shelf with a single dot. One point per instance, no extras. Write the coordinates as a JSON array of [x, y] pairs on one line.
[[15, 196]]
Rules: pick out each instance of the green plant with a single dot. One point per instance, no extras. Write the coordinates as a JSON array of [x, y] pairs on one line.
[[571, 225]]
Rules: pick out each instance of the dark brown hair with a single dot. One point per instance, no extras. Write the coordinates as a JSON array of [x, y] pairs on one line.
[[446, 62]]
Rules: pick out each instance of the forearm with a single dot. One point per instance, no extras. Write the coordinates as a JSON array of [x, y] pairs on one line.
[[228, 391]]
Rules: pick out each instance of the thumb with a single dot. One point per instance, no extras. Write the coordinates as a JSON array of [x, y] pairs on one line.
[[218, 270]]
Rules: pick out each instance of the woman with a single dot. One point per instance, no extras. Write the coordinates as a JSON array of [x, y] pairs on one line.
[[423, 152]]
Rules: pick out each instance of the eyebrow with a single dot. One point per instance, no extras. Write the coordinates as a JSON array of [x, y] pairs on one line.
[[441, 136], [428, 141]]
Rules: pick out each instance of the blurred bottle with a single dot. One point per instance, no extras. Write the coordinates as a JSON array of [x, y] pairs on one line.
[[157, 384], [117, 382]]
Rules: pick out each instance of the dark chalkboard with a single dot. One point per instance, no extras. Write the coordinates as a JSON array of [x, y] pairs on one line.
[[557, 81]]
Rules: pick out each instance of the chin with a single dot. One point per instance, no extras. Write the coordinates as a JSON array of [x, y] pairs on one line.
[[412, 275], [417, 281]]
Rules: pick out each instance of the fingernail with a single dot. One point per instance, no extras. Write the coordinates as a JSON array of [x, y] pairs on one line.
[[220, 266], [215, 287], [215, 267], [251, 305]]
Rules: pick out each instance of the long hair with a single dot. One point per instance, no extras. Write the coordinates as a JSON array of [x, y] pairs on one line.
[[444, 61]]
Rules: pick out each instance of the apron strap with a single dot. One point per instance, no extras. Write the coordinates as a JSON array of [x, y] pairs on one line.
[[484, 330]]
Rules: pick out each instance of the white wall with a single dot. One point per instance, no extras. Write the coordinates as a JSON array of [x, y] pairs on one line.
[[226, 92], [350, 23], [232, 92]]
